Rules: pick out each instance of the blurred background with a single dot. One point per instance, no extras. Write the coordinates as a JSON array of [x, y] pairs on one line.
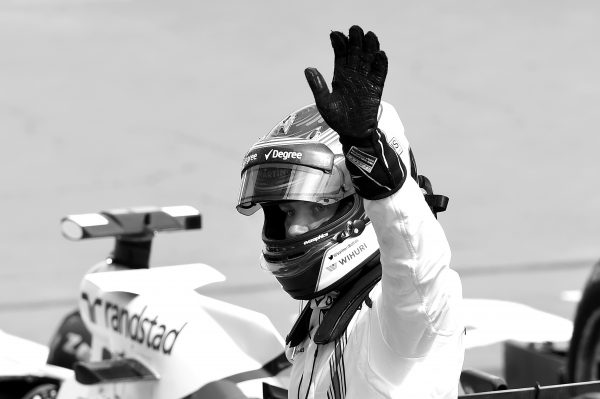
[[117, 103]]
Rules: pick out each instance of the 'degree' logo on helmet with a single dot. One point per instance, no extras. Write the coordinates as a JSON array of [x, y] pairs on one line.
[[275, 153], [248, 158]]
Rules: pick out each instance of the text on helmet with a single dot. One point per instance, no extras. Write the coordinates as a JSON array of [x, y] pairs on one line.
[[317, 238], [276, 154], [249, 158], [348, 257]]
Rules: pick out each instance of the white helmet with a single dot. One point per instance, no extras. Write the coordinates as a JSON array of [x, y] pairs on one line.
[[301, 159]]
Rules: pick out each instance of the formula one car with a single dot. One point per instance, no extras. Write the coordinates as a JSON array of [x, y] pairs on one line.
[[145, 332]]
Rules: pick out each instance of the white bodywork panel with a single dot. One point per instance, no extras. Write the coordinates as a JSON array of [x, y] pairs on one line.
[[20, 357], [489, 321], [156, 317]]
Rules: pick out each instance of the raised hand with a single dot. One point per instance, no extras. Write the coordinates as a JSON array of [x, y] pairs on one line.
[[359, 73], [352, 110]]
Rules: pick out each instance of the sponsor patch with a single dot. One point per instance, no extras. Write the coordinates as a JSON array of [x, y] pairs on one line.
[[361, 159], [317, 238], [248, 158], [277, 154], [348, 257], [138, 327], [341, 258], [350, 245]]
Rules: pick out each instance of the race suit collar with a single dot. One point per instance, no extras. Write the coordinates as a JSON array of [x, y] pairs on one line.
[[324, 302]]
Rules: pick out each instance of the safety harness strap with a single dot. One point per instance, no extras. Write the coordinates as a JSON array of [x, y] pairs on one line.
[[338, 317], [340, 314]]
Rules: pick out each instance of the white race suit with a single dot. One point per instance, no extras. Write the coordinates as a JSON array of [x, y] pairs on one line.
[[409, 343]]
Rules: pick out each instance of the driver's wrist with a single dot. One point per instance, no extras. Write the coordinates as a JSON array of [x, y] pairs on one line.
[[364, 139], [376, 169]]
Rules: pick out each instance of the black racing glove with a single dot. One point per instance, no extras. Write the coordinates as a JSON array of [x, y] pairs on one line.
[[351, 109]]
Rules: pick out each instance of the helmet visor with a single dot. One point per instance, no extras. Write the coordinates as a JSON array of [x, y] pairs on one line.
[[286, 182]]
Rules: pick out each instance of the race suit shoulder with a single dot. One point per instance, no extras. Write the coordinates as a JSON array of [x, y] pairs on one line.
[[409, 343]]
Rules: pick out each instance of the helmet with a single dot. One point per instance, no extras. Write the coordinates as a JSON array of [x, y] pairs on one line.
[[301, 159]]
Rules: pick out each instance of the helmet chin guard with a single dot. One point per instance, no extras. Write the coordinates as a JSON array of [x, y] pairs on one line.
[[322, 259], [339, 263]]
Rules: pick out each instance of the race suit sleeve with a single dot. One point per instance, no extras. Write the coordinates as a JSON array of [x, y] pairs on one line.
[[420, 297]]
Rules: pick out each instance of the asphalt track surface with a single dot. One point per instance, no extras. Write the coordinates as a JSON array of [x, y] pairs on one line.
[[110, 104]]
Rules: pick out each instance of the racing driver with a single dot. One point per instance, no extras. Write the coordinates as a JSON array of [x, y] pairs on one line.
[[348, 229]]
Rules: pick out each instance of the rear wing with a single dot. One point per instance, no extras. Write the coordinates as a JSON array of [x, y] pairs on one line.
[[132, 228]]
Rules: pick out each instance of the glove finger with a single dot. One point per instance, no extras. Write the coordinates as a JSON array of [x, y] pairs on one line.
[[380, 67], [317, 85], [371, 43], [356, 37], [339, 42], [355, 47]]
